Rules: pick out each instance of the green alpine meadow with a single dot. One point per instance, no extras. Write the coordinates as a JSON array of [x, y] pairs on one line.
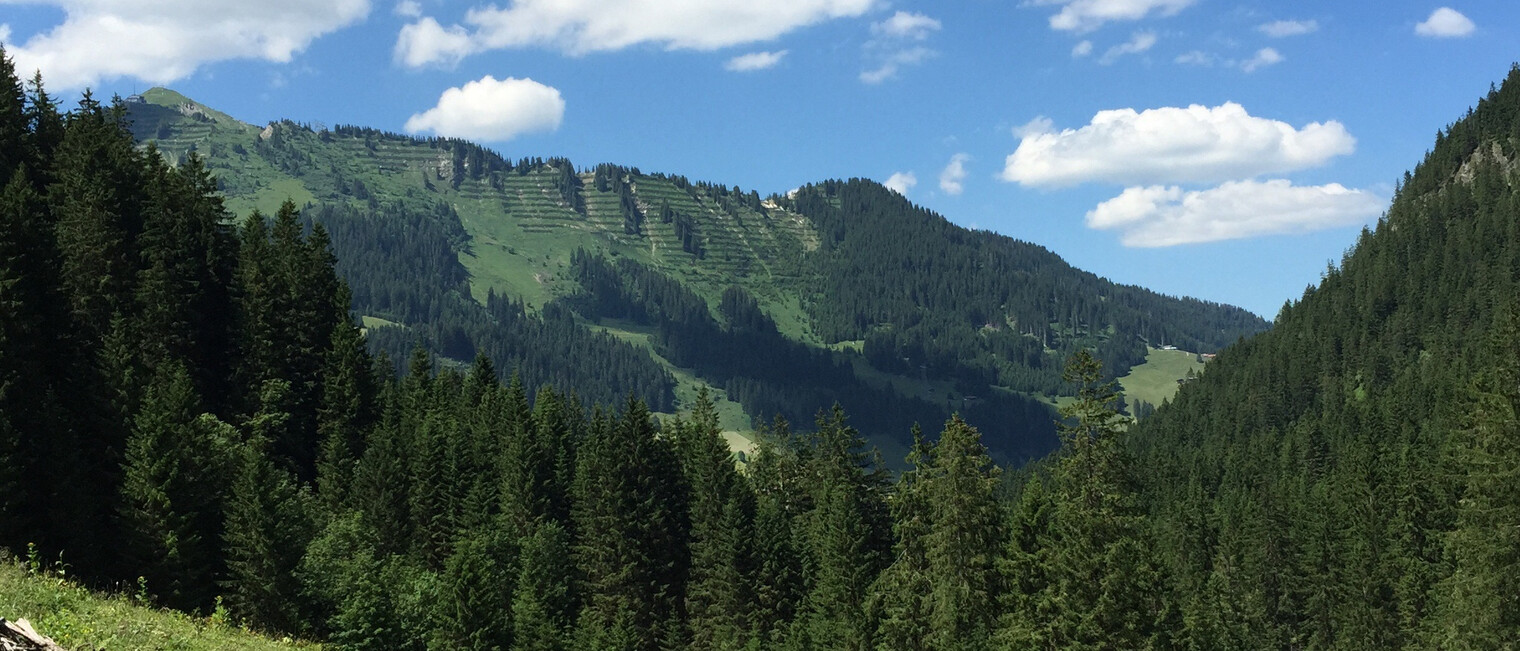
[[304, 386]]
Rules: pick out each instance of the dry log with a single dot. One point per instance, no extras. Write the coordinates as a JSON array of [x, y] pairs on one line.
[[20, 636]]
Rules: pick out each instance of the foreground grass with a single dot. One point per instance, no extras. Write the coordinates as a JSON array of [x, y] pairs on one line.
[[79, 619]]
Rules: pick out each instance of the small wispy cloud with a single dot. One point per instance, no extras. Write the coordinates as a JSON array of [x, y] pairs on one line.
[[1195, 58], [1140, 42], [408, 9], [1037, 126], [952, 179], [1286, 28], [1081, 49], [906, 25], [1264, 57], [897, 43], [895, 62], [754, 61]]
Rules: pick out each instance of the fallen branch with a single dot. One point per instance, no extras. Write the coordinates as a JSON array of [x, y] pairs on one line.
[[20, 636]]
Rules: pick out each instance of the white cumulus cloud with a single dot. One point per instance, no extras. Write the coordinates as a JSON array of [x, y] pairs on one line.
[[1153, 216], [754, 61], [584, 26], [1138, 43], [1264, 57], [901, 182], [1445, 23], [425, 42], [162, 41], [1197, 144], [1083, 16], [952, 179], [1286, 28], [1081, 49], [489, 110]]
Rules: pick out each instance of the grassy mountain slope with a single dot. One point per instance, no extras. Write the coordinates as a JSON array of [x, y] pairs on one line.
[[941, 317], [1346, 480]]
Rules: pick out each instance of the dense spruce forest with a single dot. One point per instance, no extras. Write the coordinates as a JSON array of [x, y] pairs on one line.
[[1348, 479], [188, 406]]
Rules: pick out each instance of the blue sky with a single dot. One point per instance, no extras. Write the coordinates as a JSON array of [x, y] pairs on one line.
[[1220, 149]]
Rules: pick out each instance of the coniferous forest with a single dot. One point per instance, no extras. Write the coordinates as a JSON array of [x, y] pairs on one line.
[[188, 406]]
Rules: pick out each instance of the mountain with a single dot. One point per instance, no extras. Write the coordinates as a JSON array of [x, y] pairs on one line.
[[840, 291], [1348, 478]]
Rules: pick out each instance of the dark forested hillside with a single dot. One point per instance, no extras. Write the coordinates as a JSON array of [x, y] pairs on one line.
[[873, 302], [1348, 479], [405, 274], [978, 308]]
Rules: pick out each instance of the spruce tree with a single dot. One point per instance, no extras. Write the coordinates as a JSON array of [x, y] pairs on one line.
[[346, 414], [382, 486], [721, 509], [34, 361], [629, 518], [963, 542], [1104, 589], [525, 467], [269, 523], [97, 205], [849, 536], [776, 474], [15, 136], [175, 481], [543, 606], [47, 128], [474, 607], [900, 597], [1027, 605]]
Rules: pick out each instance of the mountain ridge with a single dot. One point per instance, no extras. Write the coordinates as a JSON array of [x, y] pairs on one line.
[[962, 316]]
